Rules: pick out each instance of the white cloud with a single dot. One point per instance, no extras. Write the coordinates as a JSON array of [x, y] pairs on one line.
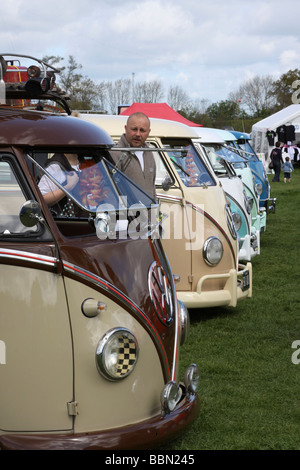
[[208, 48], [151, 20], [290, 59]]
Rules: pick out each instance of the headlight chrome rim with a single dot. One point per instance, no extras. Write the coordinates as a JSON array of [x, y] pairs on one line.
[[250, 203], [258, 189], [237, 220], [230, 222], [191, 379], [210, 244], [117, 354], [184, 319], [170, 397]]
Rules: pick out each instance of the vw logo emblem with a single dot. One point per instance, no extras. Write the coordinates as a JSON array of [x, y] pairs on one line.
[[160, 293], [230, 222]]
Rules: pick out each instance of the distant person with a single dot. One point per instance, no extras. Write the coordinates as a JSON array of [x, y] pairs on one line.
[[287, 168], [276, 157], [140, 166]]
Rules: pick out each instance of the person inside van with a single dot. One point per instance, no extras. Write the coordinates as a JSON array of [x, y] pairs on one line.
[[140, 165], [65, 169]]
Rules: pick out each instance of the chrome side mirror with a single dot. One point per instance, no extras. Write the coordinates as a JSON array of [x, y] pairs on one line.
[[30, 213], [166, 183]]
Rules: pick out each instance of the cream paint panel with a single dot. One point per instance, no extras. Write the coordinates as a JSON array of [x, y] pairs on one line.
[[213, 202], [176, 239], [37, 377], [103, 404]]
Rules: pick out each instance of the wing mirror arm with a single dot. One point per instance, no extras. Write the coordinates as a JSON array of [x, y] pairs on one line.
[[30, 215]]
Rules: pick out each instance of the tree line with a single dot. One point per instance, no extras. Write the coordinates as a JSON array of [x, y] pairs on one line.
[[252, 100]]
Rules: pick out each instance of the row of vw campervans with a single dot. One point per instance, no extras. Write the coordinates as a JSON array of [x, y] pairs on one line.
[[199, 234], [95, 293]]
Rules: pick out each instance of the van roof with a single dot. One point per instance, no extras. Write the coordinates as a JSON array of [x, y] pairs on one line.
[[114, 125], [241, 135], [207, 135], [24, 128], [226, 135]]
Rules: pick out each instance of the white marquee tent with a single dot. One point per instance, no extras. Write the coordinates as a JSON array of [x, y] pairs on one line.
[[287, 116]]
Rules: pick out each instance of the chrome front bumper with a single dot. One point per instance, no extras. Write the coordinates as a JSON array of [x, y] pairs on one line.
[[238, 286]]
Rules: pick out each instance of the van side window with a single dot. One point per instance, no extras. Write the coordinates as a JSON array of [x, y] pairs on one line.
[[161, 170], [11, 201], [192, 170]]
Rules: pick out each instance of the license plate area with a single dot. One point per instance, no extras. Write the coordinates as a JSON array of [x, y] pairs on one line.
[[246, 280]]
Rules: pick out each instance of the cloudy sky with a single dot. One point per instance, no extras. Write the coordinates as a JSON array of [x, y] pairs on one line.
[[207, 47]]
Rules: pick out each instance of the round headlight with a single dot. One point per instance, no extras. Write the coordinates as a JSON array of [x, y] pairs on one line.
[[230, 222], [33, 71], [212, 251], [45, 84], [191, 379], [170, 396], [237, 219], [249, 204], [258, 188], [116, 354]]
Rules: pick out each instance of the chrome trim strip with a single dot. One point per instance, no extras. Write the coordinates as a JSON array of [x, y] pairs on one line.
[[26, 256]]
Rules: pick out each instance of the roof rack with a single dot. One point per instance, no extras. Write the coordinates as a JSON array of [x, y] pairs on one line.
[[25, 83]]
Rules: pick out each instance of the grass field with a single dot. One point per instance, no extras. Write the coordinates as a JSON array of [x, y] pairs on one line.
[[250, 388]]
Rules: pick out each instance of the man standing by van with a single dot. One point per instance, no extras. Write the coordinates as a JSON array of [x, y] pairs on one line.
[[276, 157], [140, 165]]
